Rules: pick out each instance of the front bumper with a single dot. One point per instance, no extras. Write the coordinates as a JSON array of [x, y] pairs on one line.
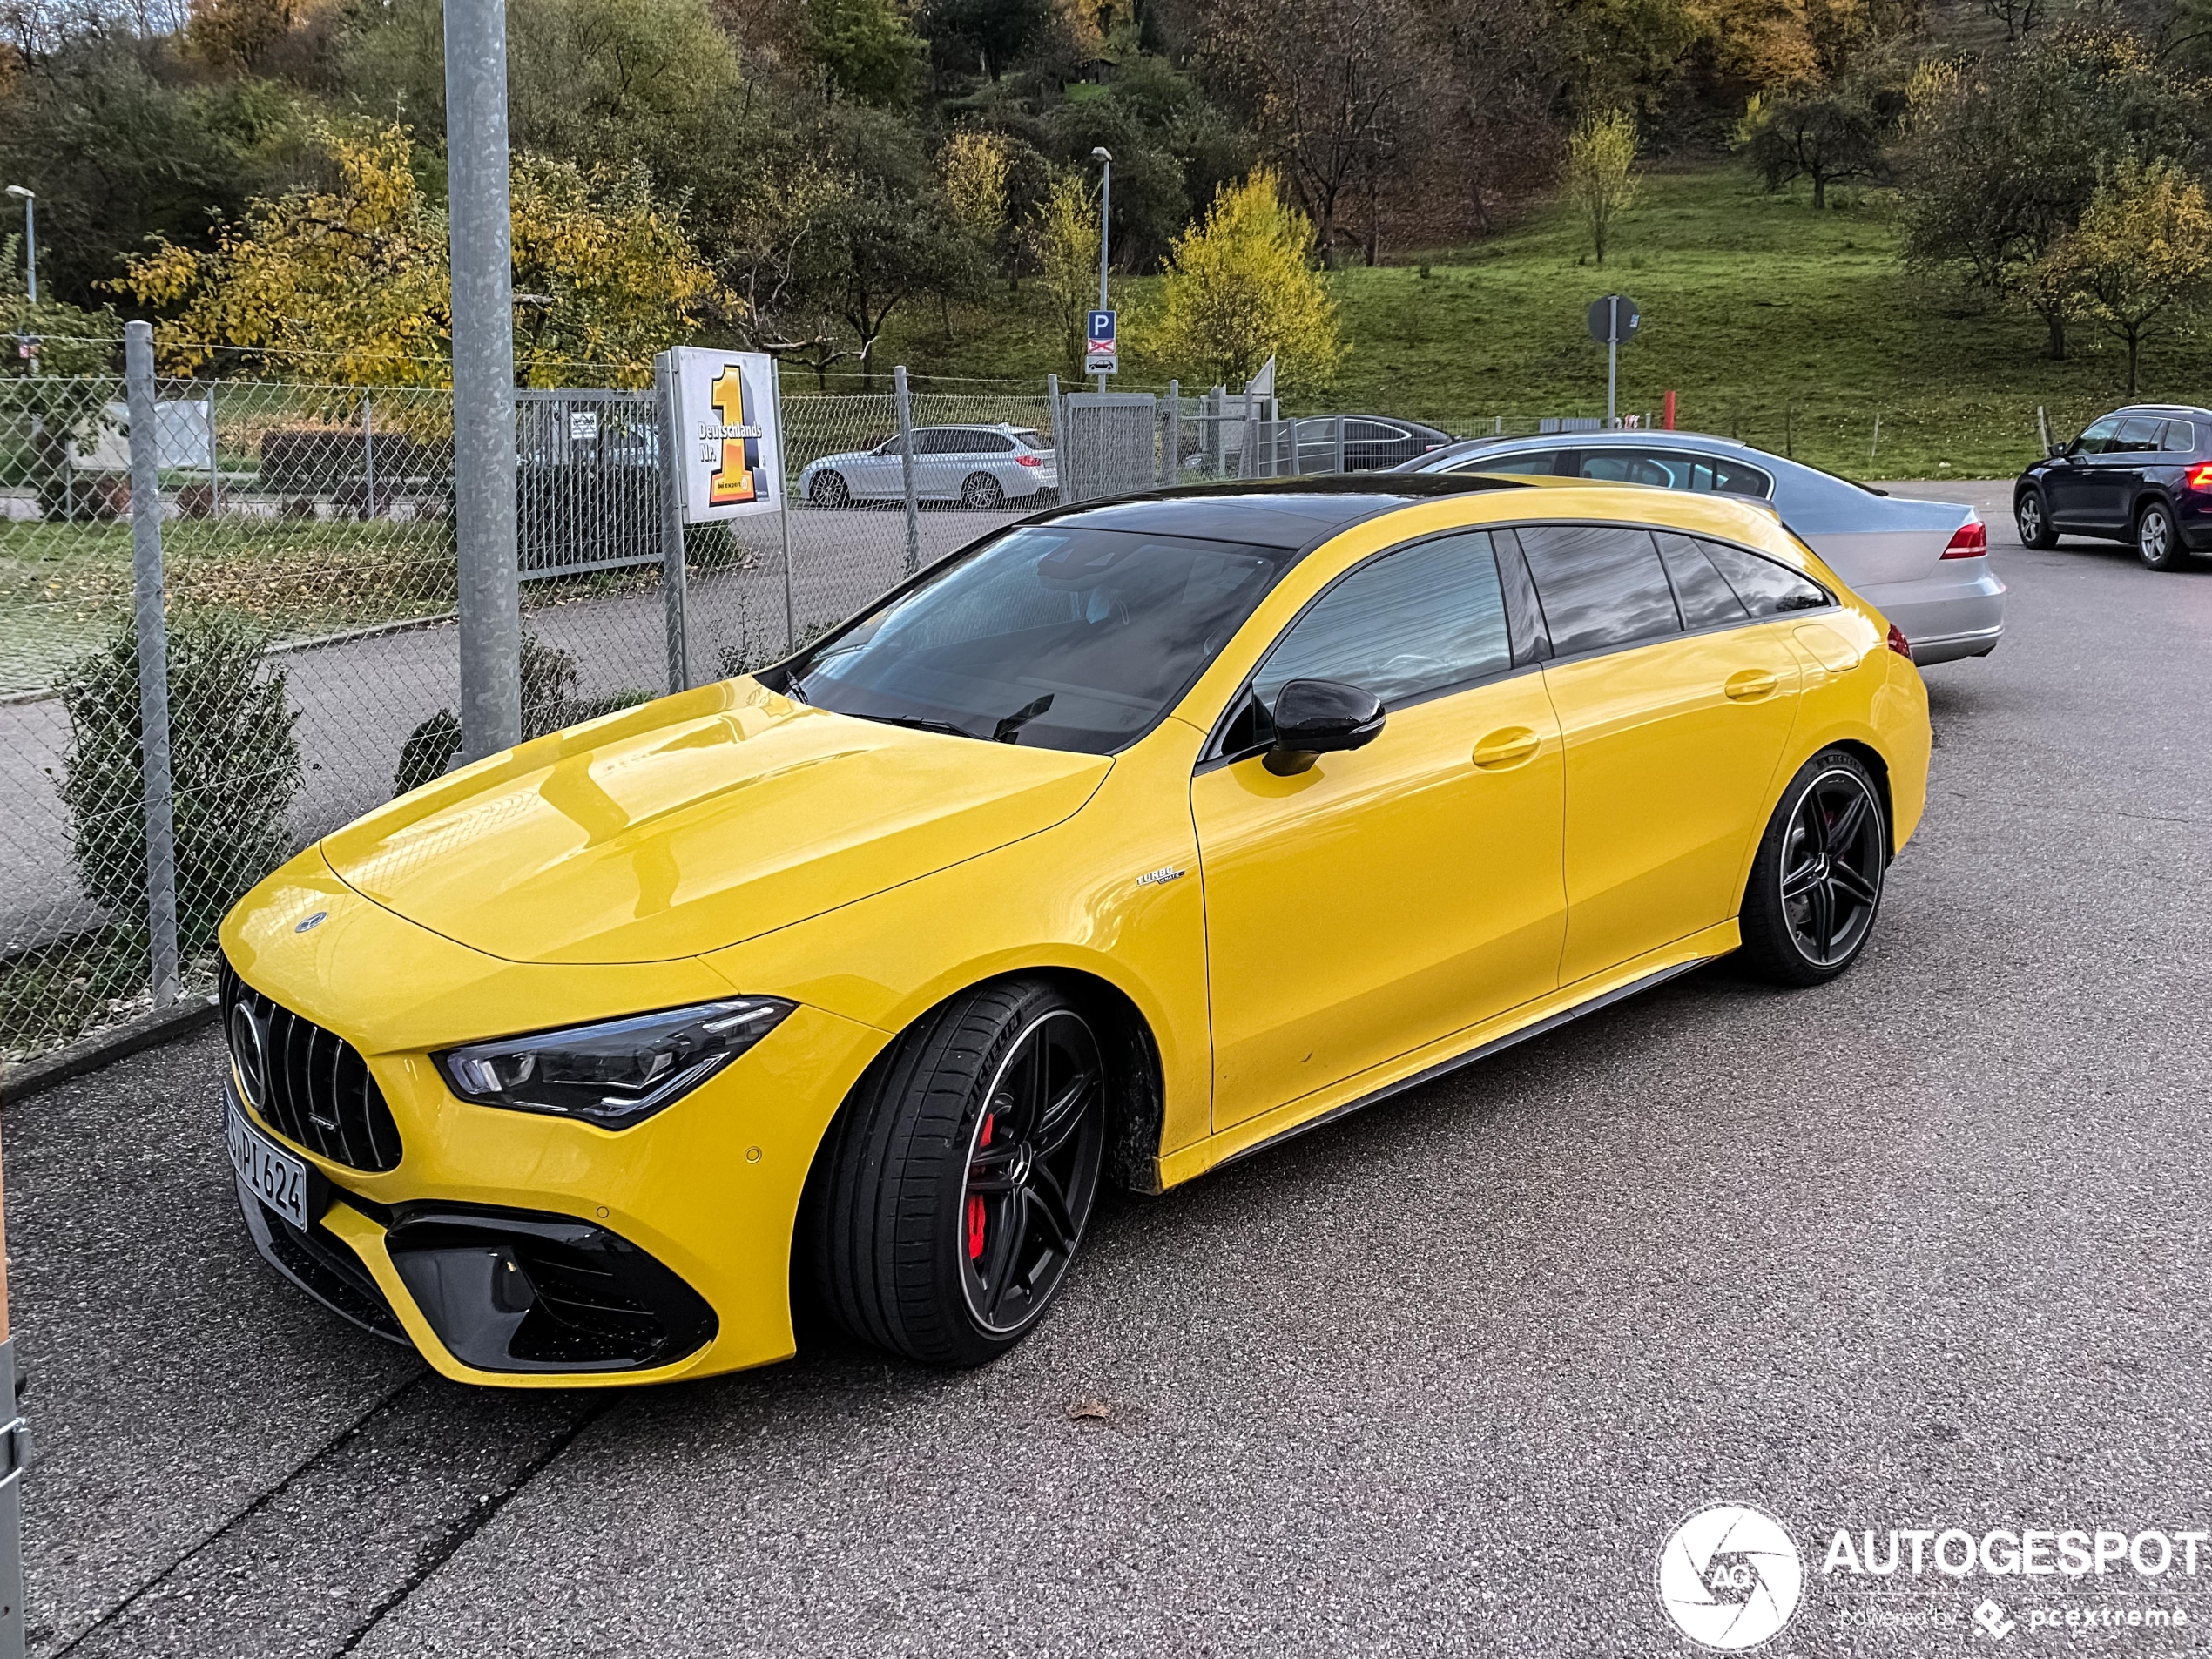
[[704, 1196]]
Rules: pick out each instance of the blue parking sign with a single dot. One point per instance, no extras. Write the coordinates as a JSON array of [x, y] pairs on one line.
[[1099, 354]]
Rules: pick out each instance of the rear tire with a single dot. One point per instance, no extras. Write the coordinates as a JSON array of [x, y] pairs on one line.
[[829, 490], [981, 491], [1816, 884], [952, 1193], [2158, 544], [2034, 523]]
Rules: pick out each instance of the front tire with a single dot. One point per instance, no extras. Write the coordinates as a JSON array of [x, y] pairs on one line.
[[2034, 524], [2158, 544], [1816, 884], [954, 1187]]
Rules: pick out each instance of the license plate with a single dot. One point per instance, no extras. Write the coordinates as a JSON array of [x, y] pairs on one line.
[[271, 1174]]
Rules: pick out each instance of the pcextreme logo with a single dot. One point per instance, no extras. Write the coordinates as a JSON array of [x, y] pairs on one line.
[[1730, 1577]]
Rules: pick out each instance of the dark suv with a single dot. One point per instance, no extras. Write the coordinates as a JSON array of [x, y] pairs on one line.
[[2140, 475]]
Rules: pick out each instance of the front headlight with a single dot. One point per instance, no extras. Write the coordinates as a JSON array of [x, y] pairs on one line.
[[616, 1073]]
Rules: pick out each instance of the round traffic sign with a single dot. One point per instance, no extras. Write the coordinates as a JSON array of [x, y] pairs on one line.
[[1601, 316]]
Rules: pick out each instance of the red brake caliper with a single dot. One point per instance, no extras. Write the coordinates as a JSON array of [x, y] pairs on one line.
[[976, 1203]]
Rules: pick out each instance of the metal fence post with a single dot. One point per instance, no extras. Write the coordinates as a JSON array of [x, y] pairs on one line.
[[673, 576], [904, 405], [1339, 443], [153, 661], [368, 461], [214, 459], [1171, 451], [482, 258], [15, 1436], [783, 495]]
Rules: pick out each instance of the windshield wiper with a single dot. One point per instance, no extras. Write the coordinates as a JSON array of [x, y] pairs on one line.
[[1007, 729], [920, 724]]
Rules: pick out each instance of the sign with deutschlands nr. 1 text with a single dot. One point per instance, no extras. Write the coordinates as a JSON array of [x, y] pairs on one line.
[[728, 436]]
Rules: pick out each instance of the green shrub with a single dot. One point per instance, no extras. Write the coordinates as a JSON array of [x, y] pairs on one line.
[[234, 766]]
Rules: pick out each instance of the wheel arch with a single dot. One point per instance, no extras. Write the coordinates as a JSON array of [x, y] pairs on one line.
[[1876, 764]]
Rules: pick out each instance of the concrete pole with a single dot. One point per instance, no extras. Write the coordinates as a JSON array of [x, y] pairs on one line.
[[904, 405], [783, 495], [148, 581], [674, 576], [483, 375], [1170, 451]]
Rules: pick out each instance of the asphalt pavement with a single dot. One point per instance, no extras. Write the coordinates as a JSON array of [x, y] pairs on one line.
[[1927, 1247]]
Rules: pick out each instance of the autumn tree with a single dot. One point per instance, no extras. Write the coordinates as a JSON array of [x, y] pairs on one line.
[[2142, 254], [1824, 135], [974, 167], [1601, 173], [1063, 238], [1241, 289], [2001, 163], [352, 280], [867, 47]]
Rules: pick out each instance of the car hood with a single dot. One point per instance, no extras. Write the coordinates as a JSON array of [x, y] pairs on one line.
[[693, 823]]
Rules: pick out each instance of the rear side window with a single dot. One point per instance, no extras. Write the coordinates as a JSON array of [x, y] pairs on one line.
[[1676, 469], [1766, 588], [1421, 619], [1035, 440], [1701, 592], [1538, 462], [2180, 439], [1601, 585]]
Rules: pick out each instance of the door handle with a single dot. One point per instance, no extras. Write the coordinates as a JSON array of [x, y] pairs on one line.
[[1750, 685], [1506, 748]]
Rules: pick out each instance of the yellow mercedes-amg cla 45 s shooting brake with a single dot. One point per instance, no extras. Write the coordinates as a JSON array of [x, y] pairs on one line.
[[1127, 840]]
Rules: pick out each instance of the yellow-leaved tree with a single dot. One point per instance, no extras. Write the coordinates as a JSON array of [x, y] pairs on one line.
[[1241, 289], [1601, 172], [2141, 255], [350, 283], [1064, 235]]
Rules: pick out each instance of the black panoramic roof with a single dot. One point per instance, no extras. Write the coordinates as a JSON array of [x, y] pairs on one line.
[[1289, 512]]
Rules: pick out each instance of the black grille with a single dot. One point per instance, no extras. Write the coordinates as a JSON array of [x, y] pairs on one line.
[[310, 1084]]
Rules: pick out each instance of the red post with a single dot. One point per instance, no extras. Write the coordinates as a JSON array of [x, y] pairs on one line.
[[1667, 418]]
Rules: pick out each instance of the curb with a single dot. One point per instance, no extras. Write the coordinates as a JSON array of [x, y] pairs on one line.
[[89, 1054]]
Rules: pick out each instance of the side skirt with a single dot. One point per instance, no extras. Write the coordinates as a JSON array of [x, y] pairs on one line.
[[1480, 1051]]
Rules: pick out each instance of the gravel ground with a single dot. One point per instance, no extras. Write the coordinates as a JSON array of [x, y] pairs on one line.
[[1923, 1248]]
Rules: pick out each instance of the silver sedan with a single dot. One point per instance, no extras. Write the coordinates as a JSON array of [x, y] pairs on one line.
[[1923, 565]]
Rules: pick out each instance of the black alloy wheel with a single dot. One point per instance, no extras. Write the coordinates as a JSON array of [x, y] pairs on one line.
[[1816, 884], [981, 492], [829, 490], [2158, 544], [952, 1192], [2033, 523]]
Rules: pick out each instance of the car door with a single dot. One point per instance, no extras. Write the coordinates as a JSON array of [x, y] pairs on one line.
[[1397, 893], [2116, 477], [940, 462], [2070, 489], [1673, 734]]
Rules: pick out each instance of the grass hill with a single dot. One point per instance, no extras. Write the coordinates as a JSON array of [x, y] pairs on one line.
[[1791, 328]]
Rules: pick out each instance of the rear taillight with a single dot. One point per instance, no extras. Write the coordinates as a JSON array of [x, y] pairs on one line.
[[1900, 644], [2200, 476], [1026, 461], [1969, 541]]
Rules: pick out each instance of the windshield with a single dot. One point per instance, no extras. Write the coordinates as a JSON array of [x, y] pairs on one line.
[[1059, 638]]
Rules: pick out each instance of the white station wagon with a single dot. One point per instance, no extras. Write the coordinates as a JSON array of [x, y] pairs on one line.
[[982, 467]]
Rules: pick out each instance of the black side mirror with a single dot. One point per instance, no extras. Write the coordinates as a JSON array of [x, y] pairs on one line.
[[1314, 717]]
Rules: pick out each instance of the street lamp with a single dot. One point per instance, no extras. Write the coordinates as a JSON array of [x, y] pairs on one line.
[[1105, 158]]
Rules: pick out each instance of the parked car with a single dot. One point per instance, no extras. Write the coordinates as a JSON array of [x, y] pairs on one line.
[[1126, 841], [1372, 442], [2141, 475], [1923, 564], [981, 467]]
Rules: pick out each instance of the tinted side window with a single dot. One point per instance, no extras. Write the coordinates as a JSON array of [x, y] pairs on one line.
[[1601, 585], [2138, 435], [944, 443], [1766, 588], [2180, 439], [1701, 591], [1634, 467], [2093, 441], [1541, 462], [1425, 617]]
